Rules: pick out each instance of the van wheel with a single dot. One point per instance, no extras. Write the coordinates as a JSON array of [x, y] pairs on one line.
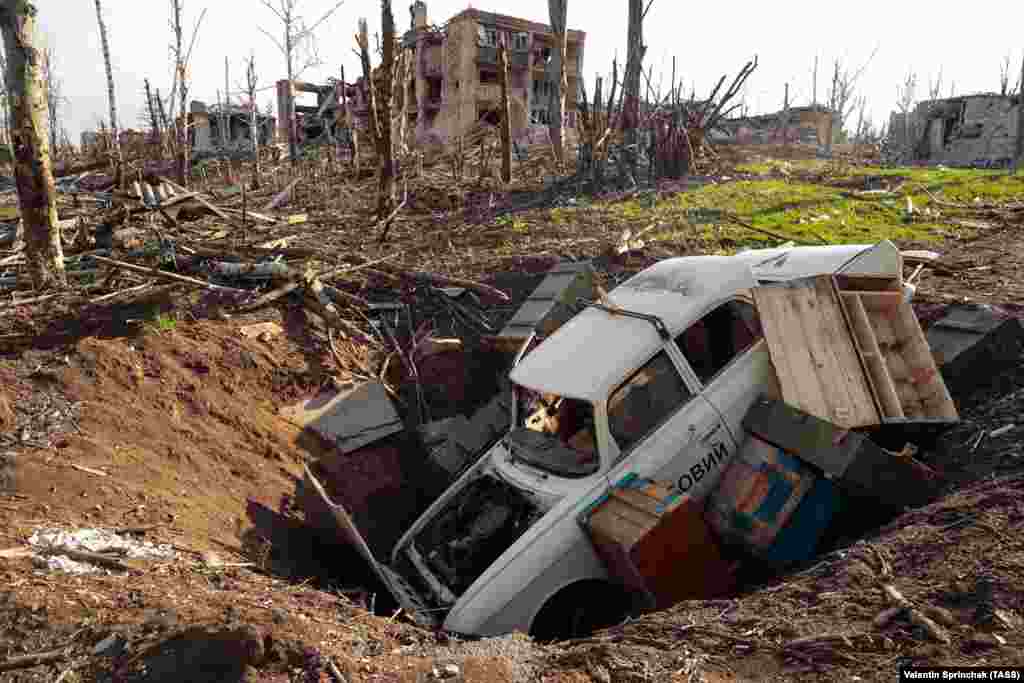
[[579, 610]]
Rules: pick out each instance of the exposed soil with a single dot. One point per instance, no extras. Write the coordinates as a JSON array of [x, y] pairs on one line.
[[173, 432]]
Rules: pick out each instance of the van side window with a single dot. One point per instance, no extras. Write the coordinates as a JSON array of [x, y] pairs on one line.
[[645, 401], [722, 334]]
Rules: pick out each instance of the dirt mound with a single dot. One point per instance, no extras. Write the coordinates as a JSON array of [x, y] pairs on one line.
[[177, 428]]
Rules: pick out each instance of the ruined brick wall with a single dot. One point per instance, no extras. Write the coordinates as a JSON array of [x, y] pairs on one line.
[[961, 131], [988, 132]]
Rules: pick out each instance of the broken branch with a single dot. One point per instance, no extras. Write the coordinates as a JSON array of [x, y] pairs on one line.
[[166, 275], [28, 661]]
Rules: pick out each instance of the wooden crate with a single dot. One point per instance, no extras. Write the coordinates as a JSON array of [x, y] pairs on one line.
[[896, 357], [657, 543], [850, 350], [817, 365]]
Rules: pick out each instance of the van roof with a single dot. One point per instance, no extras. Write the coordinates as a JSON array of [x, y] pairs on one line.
[[593, 352]]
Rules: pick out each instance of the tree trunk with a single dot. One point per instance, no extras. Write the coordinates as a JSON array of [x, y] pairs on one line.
[[115, 140], [181, 128], [37, 197], [227, 108], [558, 12], [506, 115], [289, 49], [631, 84], [254, 126], [154, 122], [385, 153], [1020, 119], [380, 107]]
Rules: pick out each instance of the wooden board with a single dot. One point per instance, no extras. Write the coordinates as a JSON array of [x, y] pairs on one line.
[[818, 367]]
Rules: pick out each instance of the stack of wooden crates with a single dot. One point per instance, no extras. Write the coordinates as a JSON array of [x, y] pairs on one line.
[[848, 353]]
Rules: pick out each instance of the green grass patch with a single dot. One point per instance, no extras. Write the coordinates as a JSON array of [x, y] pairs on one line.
[[800, 211], [810, 212]]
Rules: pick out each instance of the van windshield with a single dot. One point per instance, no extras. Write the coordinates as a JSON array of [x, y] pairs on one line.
[[554, 433]]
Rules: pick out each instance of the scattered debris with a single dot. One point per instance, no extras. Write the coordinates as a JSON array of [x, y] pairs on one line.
[[971, 344], [350, 419], [81, 550]]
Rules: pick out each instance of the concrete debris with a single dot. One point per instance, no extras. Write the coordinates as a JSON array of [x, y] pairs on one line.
[[64, 564], [550, 305], [972, 344], [90, 551], [100, 541], [349, 419]]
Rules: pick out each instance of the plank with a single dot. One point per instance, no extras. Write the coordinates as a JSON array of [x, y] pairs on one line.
[[784, 337], [849, 386], [874, 362], [885, 388], [812, 348]]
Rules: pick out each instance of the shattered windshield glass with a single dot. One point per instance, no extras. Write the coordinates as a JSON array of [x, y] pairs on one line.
[[555, 434]]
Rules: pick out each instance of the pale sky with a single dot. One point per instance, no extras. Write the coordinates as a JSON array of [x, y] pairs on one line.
[[707, 39]]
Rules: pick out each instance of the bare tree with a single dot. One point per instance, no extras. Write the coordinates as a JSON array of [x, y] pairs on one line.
[[814, 83], [5, 130], [37, 197], [935, 87], [254, 128], [379, 96], [707, 116], [111, 99], [1004, 76], [558, 12], [506, 114], [906, 96], [298, 47], [863, 121], [54, 94], [154, 118], [182, 57], [1020, 118], [636, 50], [597, 126], [841, 94]]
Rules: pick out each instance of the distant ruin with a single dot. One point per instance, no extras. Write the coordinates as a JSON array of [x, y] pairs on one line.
[[971, 130], [811, 125]]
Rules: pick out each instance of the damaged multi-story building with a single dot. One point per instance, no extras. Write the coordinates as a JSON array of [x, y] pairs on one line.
[[454, 82], [970, 130]]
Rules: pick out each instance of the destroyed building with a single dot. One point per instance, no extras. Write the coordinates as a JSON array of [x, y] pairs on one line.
[[970, 130], [226, 128], [456, 71], [312, 122], [812, 125], [456, 82]]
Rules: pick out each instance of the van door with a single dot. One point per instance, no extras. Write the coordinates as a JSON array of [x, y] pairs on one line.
[[664, 430]]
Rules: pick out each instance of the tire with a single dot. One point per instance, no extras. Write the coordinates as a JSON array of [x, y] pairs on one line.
[[579, 610]]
